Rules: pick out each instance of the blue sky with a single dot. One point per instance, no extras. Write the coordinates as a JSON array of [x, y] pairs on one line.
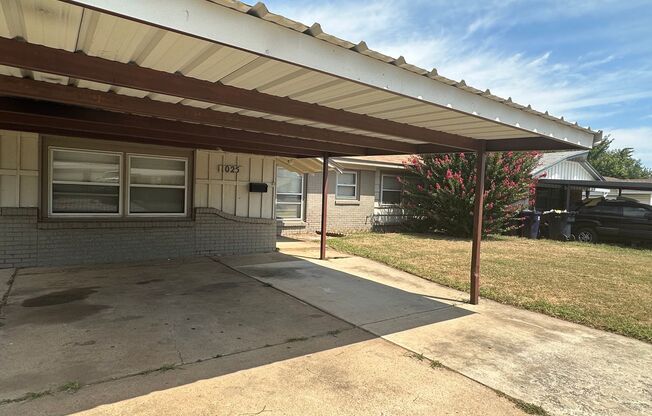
[[590, 61]]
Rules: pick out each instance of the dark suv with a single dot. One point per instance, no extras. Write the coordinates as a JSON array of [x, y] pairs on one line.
[[620, 219]]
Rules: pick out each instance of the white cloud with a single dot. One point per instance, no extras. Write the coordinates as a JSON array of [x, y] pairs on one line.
[[639, 138], [353, 22]]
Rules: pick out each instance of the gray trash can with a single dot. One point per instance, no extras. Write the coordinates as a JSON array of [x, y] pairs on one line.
[[559, 225], [531, 221]]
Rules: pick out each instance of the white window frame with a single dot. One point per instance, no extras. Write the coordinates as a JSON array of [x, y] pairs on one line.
[[355, 186], [129, 185], [302, 198], [382, 190], [51, 182]]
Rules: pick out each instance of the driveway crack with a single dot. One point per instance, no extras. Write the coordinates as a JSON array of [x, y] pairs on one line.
[[173, 334], [10, 285]]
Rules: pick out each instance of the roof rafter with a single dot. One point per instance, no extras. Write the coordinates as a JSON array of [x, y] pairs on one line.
[[108, 135], [33, 57], [27, 88], [44, 124], [167, 128]]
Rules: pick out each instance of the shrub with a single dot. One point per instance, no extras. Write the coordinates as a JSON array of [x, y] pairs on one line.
[[439, 191]]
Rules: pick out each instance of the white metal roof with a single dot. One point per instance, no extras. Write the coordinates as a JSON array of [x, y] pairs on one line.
[[552, 158], [250, 48]]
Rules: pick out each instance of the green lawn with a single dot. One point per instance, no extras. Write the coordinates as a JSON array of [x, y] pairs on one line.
[[603, 286]]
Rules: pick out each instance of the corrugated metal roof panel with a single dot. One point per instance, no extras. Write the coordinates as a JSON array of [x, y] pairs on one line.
[[354, 99], [52, 24], [64, 26], [217, 62], [11, 71], [362, 48], [259, 72]]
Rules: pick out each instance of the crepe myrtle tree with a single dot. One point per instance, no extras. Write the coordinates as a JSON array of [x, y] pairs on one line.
[[439, 190]]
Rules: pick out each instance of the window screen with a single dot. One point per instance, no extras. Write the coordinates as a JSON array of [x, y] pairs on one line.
[[157, 185], [289, 194], [84, 182], [347, 185], [390, 190]]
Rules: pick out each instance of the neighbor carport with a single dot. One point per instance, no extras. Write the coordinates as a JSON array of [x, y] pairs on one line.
[[224, 75]]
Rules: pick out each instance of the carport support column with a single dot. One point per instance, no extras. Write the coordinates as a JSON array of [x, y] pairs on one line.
[[478, 206], [324, 208]]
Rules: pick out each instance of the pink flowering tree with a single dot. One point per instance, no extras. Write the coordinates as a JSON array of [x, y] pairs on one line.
[[439, 190]]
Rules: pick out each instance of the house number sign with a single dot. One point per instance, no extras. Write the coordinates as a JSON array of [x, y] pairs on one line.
[[228, 168]]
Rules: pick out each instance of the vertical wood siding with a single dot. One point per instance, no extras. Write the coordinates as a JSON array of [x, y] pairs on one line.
[[229, 192], [19, 169]]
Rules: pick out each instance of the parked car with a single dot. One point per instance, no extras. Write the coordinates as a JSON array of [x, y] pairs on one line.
[[621, 219]]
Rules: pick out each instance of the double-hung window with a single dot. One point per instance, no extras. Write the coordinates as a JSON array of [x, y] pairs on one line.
[[390, 190], [347, 185], [289, 194], [96, 183], [157, 185], [85, 182]]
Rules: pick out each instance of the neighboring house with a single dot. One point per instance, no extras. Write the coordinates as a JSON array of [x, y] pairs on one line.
[[363, 193], [643, 196], [570, 178], [563, 166], [572, 165]]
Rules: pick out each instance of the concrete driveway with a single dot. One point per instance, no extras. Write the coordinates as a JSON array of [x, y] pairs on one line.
[[566, 368], [196, 336]]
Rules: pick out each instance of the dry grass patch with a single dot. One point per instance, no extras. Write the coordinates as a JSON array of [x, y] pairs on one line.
[[603, 286]]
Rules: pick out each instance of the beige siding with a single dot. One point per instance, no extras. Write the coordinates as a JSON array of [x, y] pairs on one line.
[[229, 192], [19, 169]]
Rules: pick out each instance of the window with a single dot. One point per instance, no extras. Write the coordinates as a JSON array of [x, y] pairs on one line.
[[289, 194], [89, 183], [157, 185], [347, 185], [84, 182], [635, 212], [606, 209], [390, 190]]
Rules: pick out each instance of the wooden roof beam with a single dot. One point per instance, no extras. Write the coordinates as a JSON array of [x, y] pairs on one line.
[[33, 57], [80, 128], [27, 88], [166, 128]]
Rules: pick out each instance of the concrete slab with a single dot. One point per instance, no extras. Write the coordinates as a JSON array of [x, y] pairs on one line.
[[89, 324], [357, 300], [346, 374], [195, 337], [567, 368]]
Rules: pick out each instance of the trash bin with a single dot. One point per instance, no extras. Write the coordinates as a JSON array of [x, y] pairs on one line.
[[559, 225], [531, 221]]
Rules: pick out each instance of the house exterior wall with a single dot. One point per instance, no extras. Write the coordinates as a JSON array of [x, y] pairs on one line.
[[386, 215], [19, 169], [29, 238], [25, 241], [343, 215], [229, 191]]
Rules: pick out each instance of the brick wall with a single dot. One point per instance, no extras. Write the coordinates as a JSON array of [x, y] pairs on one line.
[[24, 241], [343, 215]]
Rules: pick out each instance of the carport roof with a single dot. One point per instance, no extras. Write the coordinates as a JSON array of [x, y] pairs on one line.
[[262, 80], [641, 185]]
